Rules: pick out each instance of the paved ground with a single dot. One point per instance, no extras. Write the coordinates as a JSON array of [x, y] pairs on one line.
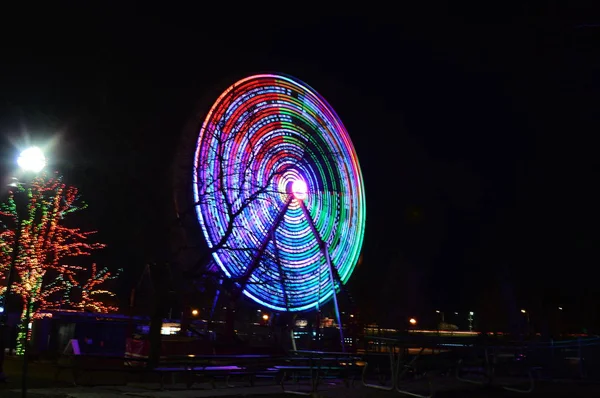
[[41, 384]]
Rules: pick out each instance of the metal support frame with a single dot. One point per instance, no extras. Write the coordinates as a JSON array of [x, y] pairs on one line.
[[398, 368], [282, 281], [280, 269], [378, 386], [398, 375], [215, 301], [243, 279], [487, 370], [325, 251], [488, 373]]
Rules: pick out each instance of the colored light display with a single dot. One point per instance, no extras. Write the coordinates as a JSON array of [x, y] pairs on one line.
[[44, 278], [266, 138]]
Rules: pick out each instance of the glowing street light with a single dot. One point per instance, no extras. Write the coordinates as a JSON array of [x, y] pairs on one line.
[[32, 159], [524, 312], [265, 317], [195, 312], [412, 321]]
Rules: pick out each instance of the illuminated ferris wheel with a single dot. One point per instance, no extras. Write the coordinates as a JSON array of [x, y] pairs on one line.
[[279, 193]]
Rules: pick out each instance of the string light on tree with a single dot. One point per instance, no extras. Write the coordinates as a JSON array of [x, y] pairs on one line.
[[44, 276]]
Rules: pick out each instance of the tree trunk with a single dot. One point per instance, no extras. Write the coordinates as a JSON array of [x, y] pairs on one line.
[[155, 336], [160, 283]]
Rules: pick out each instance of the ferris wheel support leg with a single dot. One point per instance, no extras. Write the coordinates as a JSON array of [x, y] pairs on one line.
[[282, 276], [215, 302], [325, 251], [243, 280]]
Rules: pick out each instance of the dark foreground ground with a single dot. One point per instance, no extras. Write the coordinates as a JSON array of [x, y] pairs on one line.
[[41, 384]]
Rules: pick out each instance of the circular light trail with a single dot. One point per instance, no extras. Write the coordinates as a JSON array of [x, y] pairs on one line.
[[268, 137]]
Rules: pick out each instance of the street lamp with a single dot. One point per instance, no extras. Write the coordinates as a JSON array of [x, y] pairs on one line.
[[524, 312], [470, 319], [441, 313], [30, 161]]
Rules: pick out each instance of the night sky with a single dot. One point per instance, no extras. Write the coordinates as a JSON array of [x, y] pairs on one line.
[[475, 136]]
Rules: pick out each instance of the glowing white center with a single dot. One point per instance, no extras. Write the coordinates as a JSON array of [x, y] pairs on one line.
[[299, 189], [32, 159]]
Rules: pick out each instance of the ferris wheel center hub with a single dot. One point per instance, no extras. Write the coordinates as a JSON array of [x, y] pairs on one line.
[[299, 189]]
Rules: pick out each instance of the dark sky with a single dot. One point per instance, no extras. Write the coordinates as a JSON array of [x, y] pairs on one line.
[[475, 135]]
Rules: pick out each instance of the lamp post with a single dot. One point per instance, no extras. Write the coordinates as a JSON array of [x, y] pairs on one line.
[[470, 319], [560, 320], [526, 313], [31, 161]]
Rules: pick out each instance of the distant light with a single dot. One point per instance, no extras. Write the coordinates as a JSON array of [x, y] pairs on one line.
[[169, 330], [351, 315], [523, 311], [1, 309], [299, 189], [438, 311], [32, 159], [456, 313], [559, 308], [195, 312], [301, 323], [412, 321], [265, 317], [471, 313]]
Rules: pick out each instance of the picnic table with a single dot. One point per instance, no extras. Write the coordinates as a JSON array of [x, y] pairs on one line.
[[191, 367], [316, 366], [298, 365], [512, 365]]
